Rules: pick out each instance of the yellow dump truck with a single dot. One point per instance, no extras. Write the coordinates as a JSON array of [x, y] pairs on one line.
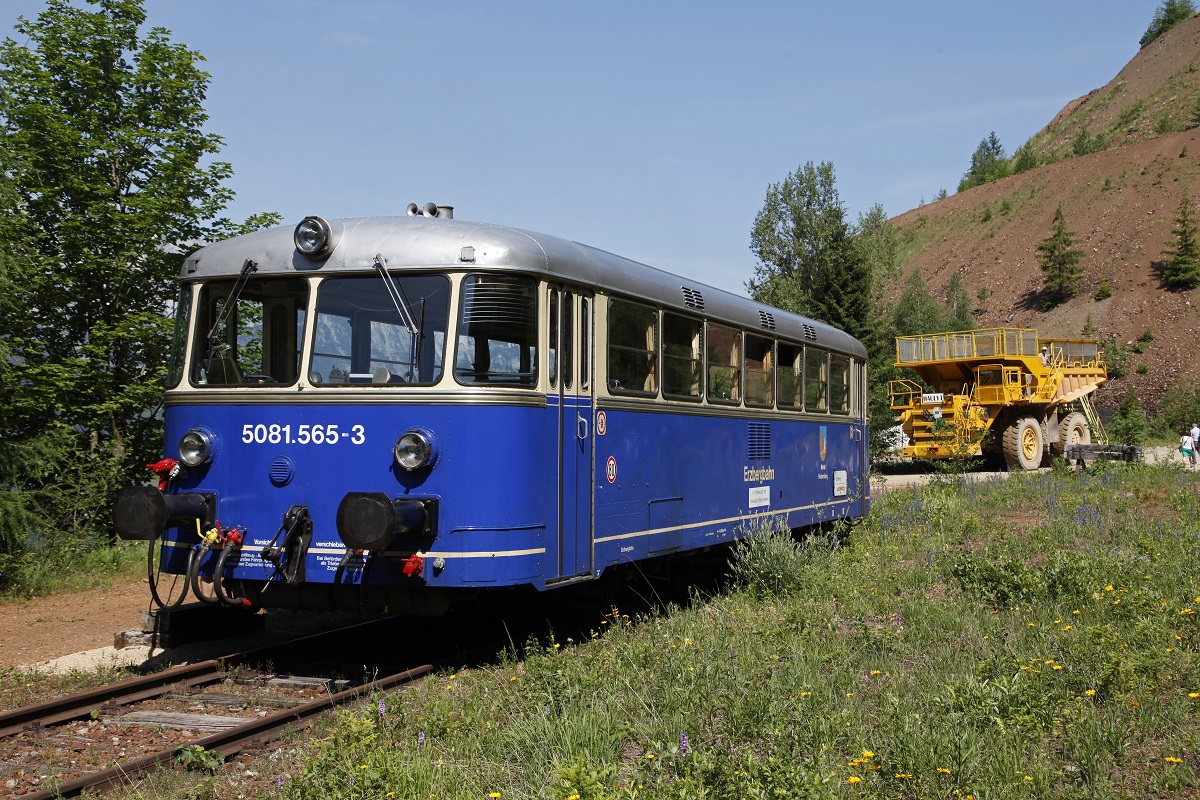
[[1030, 394]]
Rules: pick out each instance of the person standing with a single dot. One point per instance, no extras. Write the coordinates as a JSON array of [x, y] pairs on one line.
[[1195, 434], [1187, 448]]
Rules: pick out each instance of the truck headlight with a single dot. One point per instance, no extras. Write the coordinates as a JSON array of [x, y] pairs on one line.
[[314, 238]]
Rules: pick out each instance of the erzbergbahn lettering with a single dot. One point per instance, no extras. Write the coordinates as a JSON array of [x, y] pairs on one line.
[[395, 413]]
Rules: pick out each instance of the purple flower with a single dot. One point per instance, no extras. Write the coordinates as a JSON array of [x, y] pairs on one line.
[[382, 708], [351, 780], [420, 738], [685, 746], [279, 782]]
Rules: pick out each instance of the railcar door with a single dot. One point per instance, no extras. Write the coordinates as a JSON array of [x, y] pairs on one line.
[[572, 382]]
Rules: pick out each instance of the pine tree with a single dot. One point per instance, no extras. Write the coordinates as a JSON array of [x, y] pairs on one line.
[[988, 163], [1167, 16], [1060, 262], [1182, 270], [958, 305]]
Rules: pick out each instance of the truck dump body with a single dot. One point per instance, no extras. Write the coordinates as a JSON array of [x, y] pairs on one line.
[[995, 380]]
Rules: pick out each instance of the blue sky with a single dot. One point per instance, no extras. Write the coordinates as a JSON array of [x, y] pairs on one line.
[[649, 129]]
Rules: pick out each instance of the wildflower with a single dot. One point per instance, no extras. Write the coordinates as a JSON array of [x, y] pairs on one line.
[[494, 794], [1090, 692], [382, 708], [573, 797], [649, 755], [1028, 778], [1108, 588], [557, 645], [1193, 695], [1187, 611], [943, 770], [853, 779], [1170, 649], [420, 738], [1173, 760], [1076, 611], [1057, 666], [280, 780], [351, 780], [1068, 627], [805, 694], [903, 775], [685, 746], [868, 754], [1134, 704]]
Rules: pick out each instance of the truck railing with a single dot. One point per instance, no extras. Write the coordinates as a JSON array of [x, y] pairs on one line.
[[901, 393], [986, 343]]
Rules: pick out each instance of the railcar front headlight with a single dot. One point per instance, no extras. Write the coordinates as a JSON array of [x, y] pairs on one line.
[[196, 447], [314, 238], [416, 449]]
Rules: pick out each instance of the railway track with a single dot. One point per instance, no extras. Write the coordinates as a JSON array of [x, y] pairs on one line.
[[102, 738]]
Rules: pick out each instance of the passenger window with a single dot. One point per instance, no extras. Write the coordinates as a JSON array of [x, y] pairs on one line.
[[632, 348], [683, 357], [760, 371], [724, 364], [839, 384], [791, 366], [497, 331], [816, 378]]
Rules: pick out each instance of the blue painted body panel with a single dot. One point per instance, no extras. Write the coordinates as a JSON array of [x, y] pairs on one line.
[[681, 480]]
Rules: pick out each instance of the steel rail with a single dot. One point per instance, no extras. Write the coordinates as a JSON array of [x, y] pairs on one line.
[[229, 742], [123, 693]]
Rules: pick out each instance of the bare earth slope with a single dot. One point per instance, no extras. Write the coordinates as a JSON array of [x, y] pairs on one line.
[[1121, 204]]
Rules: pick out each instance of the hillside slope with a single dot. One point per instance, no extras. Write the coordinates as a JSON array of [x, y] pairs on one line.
[[1120, 202]]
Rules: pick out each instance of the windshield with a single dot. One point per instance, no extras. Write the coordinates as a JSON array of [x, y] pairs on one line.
[[249, 334], [362, 337]]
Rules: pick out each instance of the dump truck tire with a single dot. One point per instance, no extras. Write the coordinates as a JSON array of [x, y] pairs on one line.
[[1024, 444], [1073, 429]]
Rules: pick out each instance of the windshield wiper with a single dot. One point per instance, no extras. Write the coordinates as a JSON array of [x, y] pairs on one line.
[[214, 335], [397, 296]]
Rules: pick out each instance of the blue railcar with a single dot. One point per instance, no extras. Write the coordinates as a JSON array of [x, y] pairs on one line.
[[389, 413]]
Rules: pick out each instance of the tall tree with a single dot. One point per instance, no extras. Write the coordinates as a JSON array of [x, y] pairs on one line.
[[1167, 16], [796, 236], [988, 163], [1059, 260], [1182, 270], [917, 311], [108, 179], [115, 178]]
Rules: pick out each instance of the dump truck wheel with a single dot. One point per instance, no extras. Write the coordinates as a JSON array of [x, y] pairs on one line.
[[1024, 444], [1073, 429]]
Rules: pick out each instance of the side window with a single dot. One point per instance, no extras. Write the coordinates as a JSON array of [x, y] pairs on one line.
[[183, 308], [683, 357], [791, 368], [816, 378], [632, 348], [760, 371], [552, 352], [839, 384], [724, 364], [497, 331]]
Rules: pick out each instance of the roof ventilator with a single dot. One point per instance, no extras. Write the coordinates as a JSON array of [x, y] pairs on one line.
[[766, 320], [693, 298], [810, 332]]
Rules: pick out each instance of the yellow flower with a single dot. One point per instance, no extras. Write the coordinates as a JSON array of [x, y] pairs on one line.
[[1134, 704], [876, 672], [853, 779], [1068, 627], [649, 755], [573, 797], [1090, 692], [494, 794], [1076, 611], [1108, 588], [868, 754], [1028, 778], [943, 770], [1193, 695], [805, 694], [1058, 666], [903, 775], [1173, 760]]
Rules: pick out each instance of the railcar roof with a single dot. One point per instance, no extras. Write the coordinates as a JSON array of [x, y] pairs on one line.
[[431, 243]]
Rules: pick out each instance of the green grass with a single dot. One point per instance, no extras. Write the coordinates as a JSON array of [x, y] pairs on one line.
[[1030, 637]]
